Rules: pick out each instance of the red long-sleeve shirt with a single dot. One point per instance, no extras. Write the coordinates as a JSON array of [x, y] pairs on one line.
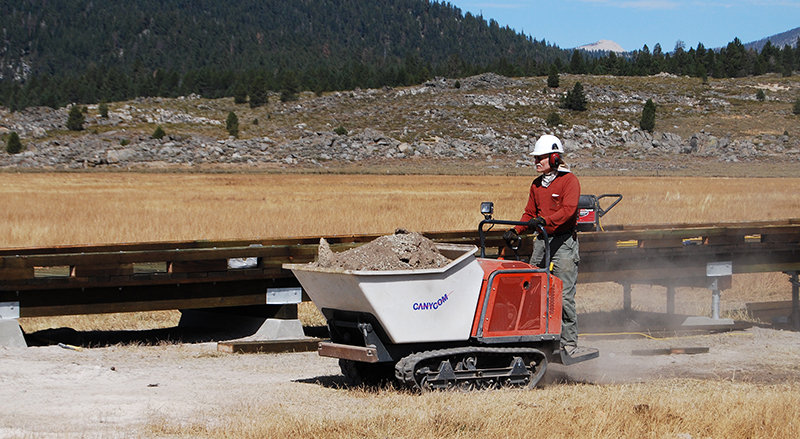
[[557, 203]]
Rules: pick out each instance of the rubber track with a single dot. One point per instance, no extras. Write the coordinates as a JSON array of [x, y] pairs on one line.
[[404, 369]]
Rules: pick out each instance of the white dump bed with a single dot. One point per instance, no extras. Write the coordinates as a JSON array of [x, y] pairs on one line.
[[413, 306]]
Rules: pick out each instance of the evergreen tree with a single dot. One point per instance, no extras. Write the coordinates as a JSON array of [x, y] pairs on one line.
[[575, 99], [14, 146], [788, 60], [648, 121], [158, 133], [552, 79], [232, 124], [239, 93], [576, 63], [75, 119], [291, 87], [760, 95], [103, 109], [703, 74], [796, 108], [258, 92]]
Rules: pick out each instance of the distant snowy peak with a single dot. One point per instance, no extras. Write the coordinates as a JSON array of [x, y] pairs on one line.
[[603, 46]]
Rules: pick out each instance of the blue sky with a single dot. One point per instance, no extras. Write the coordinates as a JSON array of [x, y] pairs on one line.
[[632, 24]]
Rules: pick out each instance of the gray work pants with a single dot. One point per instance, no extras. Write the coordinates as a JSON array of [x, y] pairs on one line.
[[565, 258]]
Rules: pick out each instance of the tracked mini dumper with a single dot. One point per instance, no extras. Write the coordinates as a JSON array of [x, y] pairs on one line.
[[476, 323]]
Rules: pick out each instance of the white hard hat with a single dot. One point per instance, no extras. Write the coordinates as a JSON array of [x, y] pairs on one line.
[[547, 144]]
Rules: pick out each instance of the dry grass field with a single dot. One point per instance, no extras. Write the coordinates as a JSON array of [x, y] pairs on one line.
[[93, 208]]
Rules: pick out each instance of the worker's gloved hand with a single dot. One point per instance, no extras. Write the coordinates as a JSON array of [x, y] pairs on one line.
[[534, 223], [511, 238]]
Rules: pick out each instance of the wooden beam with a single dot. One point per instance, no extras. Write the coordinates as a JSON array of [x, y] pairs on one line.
[[269, 346]]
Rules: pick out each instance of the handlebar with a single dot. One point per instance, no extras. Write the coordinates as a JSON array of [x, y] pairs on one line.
[[482, 235], [602, 211]]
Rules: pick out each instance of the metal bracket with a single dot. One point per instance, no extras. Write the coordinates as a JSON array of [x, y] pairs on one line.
[[715, 271], [9, 310], [284, 296]]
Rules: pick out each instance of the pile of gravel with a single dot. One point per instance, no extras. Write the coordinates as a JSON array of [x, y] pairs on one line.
[[403, 250]]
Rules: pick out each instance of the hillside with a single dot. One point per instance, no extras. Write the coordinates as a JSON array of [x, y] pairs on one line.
[[59, 37], [482, 124], [57, 52]]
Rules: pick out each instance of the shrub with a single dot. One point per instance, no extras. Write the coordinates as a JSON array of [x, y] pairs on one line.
[[553, 119], [255, 121], [158, 133], [232, 124], [340, 130], [648, 122], [14, 145], [288, 96], [75, 119], [124, 142], [458, 84], [760, 95]]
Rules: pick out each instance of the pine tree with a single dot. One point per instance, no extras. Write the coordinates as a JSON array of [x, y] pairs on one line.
[[258, 92], [75, 119], [14, 146], [290, 88], [552, 79], [796, 108], [232, 124], [576, 64], [575, 99], [648, 122], [239, 93]]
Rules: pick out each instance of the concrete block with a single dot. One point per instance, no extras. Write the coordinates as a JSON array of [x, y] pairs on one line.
[[11, 334]]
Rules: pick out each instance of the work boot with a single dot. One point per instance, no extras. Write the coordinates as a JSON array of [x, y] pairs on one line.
[[571, 354]]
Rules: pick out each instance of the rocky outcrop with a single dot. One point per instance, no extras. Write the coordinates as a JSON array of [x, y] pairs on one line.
[[112, 143]]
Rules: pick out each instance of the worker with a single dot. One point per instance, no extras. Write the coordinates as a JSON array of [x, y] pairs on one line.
[[553, 204]]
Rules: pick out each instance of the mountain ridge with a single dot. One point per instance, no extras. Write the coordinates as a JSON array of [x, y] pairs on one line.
[[602, 46], [789, 37]]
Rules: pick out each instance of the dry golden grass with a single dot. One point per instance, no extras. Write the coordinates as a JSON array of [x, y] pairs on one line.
[[666, 409], [71, 209]]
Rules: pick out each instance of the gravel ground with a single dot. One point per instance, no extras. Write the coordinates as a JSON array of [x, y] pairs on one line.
[[120, 390]]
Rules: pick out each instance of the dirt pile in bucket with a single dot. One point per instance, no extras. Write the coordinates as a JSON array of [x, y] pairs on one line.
[[403, 250]]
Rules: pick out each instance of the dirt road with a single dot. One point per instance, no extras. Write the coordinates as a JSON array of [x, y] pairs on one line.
[[125, 390]]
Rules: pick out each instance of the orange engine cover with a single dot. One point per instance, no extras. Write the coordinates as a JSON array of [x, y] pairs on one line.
[[517, 301]]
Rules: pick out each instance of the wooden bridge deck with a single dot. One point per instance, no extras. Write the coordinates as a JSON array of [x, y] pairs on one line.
[[196, 274]]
